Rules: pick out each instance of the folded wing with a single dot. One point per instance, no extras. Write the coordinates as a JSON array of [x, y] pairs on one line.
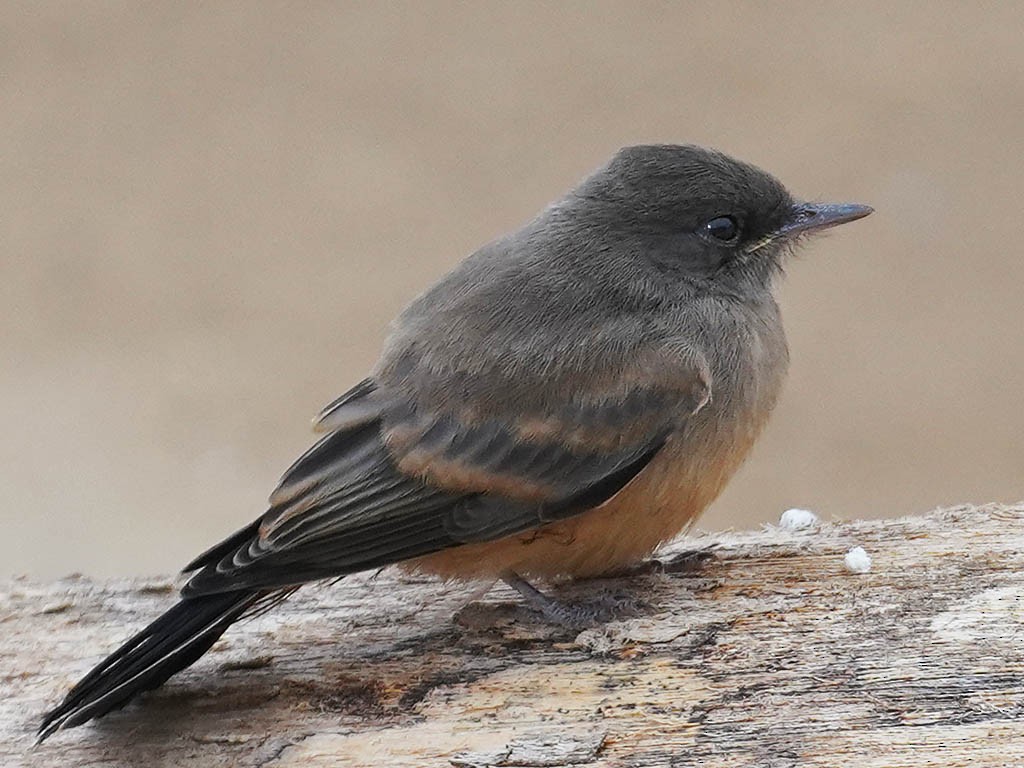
[[393, 482]]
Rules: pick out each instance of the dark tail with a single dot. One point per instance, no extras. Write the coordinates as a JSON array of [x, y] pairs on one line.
[[168, 645]]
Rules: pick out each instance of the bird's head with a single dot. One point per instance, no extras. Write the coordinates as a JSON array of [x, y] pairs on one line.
[[702, 215]]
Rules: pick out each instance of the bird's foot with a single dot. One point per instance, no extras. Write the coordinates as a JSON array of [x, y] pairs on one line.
[[571, 615], [688, 561]]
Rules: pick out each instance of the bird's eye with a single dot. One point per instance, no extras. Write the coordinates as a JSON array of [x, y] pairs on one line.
[[722, 228]]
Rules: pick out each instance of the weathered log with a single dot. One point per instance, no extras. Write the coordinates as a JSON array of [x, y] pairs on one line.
[[762, 649]]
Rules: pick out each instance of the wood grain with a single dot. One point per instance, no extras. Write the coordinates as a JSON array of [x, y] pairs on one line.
[[762, 650]]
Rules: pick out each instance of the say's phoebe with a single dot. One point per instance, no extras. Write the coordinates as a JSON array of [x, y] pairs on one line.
[[567, 398]]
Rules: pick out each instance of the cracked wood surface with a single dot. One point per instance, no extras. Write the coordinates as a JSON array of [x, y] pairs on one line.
[[763, 651]]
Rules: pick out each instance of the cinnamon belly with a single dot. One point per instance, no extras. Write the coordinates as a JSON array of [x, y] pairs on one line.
[[658, 504]]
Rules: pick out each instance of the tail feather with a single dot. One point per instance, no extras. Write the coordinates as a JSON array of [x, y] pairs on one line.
[[171, 643]]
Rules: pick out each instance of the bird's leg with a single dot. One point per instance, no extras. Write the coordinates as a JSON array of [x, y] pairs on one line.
[[573, 616]]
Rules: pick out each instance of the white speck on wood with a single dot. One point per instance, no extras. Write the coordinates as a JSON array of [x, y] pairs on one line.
[[797, 519], [857, 560]]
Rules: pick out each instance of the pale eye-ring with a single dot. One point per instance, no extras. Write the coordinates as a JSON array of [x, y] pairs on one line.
[[722, 228]]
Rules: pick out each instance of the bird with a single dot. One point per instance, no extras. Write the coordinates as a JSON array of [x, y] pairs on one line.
[[566, 399]]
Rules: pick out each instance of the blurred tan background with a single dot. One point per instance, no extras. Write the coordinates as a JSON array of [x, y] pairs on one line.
[[209, 212]]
